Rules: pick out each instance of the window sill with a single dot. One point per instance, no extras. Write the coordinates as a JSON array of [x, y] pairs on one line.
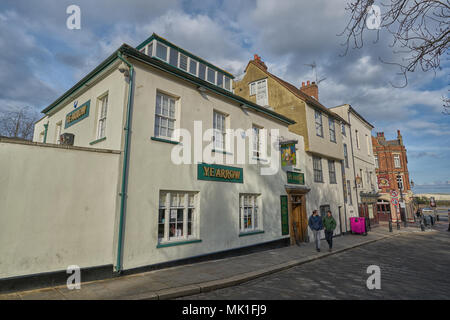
[[177, 243], [250, 233], [221, 151], [164, 140], [97, 141]]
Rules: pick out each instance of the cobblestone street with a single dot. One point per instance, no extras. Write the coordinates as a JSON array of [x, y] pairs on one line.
[[413, 266]]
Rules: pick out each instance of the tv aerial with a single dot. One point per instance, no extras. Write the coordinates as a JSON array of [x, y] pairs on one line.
[[313, 66]]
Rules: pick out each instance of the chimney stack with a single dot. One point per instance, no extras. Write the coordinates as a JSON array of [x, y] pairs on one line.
[[311, 89], [258, 60], [399, 137]]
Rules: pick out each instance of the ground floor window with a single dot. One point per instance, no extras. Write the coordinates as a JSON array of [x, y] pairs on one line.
[[176, 216], [248, 212], [324, 210]]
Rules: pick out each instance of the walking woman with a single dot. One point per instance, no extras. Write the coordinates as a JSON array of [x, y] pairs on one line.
[[330, 224]]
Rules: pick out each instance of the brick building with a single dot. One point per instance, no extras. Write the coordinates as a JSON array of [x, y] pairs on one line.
[[391, 164]]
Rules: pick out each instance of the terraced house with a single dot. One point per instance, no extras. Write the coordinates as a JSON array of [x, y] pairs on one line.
[[319, 128], [110, 197]]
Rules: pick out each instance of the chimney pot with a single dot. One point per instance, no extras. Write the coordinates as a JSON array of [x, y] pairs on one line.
[[307, 82], [303, 83]]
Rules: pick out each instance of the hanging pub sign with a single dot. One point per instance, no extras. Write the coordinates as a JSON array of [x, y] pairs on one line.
[[214, 172], [295, 177], [288, 155], [78, 114], [383, 181]]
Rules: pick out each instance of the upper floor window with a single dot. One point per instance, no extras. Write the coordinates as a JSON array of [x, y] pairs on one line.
[[103, 110], [193, 66], [219, 79], [211, 75], [343, 129], [319, 126], [164, 116], [150, 49], [219, 130], [332, 130], [345, 155], [397, 161], [173, 57], [201, 71], [332, 171], [317, 166], [259, 88], [377, 165], [227, 83], [256, 141], [357, 139], [161, 51], [368, 144]]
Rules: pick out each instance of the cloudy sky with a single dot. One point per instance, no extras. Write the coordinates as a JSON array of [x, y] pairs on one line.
[[40, 58]]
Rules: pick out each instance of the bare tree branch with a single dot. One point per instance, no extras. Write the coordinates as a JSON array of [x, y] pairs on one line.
[[18, 124], [420, 29]]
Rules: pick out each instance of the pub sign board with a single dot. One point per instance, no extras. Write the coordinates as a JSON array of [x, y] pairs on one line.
[[78, 114], [295, 177], [214, 172]]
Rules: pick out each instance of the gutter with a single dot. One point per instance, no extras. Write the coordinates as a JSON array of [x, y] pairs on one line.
[[123, 193]]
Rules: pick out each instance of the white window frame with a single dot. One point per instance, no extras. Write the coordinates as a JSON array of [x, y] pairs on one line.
[[256, 141], [196, 66], [177, 56], [160, 118], [102, 116], [230, 85], [219, 130], [207, 75], [332, 172], [317, 169], [166, 203], [377, 164], [318, 124], [397, 162], [332, 128], [251, 205], [151, 45]]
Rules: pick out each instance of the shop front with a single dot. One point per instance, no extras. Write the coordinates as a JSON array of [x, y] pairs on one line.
[[368, 207], [298, 219]]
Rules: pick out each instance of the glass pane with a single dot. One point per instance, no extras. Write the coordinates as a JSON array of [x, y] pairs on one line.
[[160, 231], [227, 83], [193, 67], [219, 79], [161, 51], [190, 213], [201, 71], [211, 75], [191, 200], [172, 230], [189, 228], [256, 218], [150, 49], [179, 232], [165, 106], [180, 214], [171, 108], [158, 104], [173, 59], [162, 199], [161, 215]]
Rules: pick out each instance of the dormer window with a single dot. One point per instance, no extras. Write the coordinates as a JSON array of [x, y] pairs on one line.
[[219, 79], [183, 62], [161, 51], [202, 71], [211, 75], [193, 67], [173, 57], [227, 83]]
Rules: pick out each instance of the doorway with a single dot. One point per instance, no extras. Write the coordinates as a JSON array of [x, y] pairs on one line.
[[299, 221]]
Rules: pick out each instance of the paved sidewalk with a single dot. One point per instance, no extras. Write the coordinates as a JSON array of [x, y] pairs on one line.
[[205, 276]]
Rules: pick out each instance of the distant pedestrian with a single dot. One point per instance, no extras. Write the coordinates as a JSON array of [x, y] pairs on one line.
[[315, 223], [329, 224]]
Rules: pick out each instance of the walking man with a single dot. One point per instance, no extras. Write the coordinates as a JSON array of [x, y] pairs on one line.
[[315, 223], [330, 224], [448, 220]]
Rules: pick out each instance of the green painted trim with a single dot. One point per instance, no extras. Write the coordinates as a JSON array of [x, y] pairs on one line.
[[45, 132], [83, 81], [123, 193], [178, 243], [164, 140], [221, 151], [164, 66], [154, 36], [97, 141], [295, 177], [88, 106], [213, 171], [250, 233]]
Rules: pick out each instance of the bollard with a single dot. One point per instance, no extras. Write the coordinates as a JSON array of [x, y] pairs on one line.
[[390, 226], [437, 217], [398, 225]]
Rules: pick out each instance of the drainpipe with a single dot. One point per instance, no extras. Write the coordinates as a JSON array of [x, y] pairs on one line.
[[353, 160], [45, 132], [123, 193]]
